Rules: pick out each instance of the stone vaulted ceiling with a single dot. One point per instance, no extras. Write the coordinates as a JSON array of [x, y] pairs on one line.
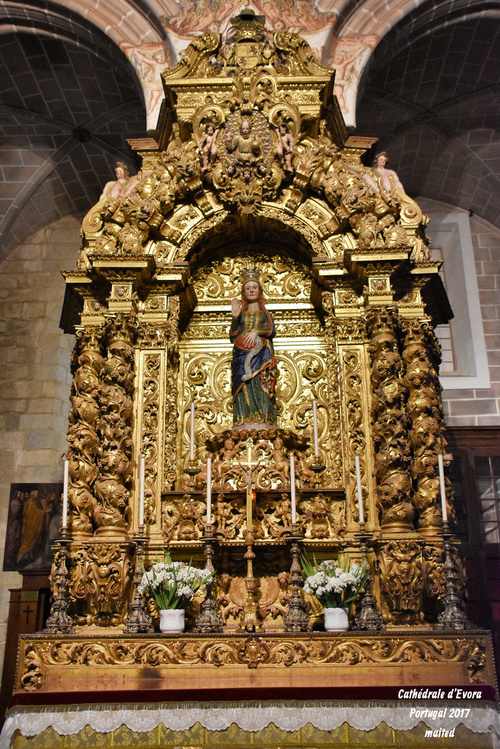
[[79, 77]]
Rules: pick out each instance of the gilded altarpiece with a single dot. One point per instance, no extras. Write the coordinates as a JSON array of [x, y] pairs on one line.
[[253, 166]]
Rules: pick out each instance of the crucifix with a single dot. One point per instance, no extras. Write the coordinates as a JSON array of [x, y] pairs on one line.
[[249, 465], [28, 611]]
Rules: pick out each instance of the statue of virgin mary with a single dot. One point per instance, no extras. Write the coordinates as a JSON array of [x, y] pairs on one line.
[[254, 364]]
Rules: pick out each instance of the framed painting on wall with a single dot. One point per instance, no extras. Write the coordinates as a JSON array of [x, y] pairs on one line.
[[32, 526]]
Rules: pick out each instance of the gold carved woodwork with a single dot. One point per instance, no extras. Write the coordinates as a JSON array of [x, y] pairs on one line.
[[171, 394], [100, 577], [205, 363], [285, 281], [320, 516], [272, 600], [355, 417], [47, 661], [83, 440], [434, 580], [422, 356], [114, 425], [205, 378], [391, 451], [401, 581], [150, 429], [253, 165], [183, 517]]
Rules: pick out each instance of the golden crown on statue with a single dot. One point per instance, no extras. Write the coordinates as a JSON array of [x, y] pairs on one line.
[[250, 274]]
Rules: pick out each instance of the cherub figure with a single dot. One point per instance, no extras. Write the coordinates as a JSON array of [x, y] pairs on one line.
[[208, 145], [284, 147]]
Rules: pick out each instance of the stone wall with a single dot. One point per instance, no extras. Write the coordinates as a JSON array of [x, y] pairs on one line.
[[34, 370], [477, 406]]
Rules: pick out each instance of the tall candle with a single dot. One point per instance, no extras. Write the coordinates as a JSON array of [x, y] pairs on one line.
[[292, 488], [142, 475], [191, 440], [315, 424], [64, 520], [209, 491], [360, 490], [443, 489]]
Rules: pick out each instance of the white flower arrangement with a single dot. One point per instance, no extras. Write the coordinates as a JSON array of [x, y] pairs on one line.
[[333, 583], [173, 584]]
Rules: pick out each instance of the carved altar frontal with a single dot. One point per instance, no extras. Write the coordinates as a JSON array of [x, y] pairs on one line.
[[314, 661], [335, 451]]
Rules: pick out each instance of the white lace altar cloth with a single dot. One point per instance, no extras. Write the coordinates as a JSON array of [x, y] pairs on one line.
[[287, 715]]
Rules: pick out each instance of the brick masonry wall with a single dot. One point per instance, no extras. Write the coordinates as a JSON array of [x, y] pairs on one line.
[[486, 241], [34, 370], [479, 407]]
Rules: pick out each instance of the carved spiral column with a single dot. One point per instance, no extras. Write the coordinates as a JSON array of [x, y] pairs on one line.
[[100, 565], [114, 426], [391, 452], [421, 354], [83, 450]]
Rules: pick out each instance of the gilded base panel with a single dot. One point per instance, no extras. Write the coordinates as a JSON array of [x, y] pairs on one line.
[[95, 662]]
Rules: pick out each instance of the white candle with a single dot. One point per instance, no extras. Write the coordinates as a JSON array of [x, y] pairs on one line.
[[292, 488], [360, 490], [209, 491], [443, 489], [142, 475], [315, 424], [191, 444], [64, 520]]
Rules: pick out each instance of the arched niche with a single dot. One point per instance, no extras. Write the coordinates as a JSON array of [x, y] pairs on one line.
[[293, 296]]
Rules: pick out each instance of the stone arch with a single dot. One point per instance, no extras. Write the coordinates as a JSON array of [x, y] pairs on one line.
[[59, 118], [114, 20]]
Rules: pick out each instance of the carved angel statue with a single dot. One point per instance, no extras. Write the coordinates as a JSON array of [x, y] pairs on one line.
[[386, 179], [122, 186]]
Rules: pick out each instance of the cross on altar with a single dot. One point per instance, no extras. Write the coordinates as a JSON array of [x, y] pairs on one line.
[[249, 465]]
